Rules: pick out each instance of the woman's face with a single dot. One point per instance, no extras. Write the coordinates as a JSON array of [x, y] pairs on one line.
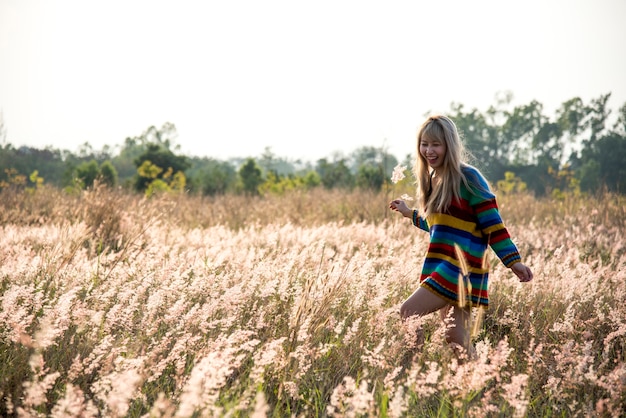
[[434, 151]]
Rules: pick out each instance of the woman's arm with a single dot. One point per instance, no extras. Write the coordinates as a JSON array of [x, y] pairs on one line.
[[523, 272], [400, 206]]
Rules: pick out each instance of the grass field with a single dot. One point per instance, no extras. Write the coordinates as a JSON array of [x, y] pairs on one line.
[[115, 305]]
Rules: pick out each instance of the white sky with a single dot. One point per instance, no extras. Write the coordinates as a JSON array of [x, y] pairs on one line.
[[306, 79]]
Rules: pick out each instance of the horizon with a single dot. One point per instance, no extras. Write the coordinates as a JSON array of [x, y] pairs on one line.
[[304, 80]]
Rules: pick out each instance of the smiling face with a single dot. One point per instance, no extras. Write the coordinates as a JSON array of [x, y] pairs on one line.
[[433, 150]]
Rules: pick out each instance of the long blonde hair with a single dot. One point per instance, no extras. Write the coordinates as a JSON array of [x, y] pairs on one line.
[[437, 196]]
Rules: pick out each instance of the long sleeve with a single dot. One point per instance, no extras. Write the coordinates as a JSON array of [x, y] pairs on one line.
[[489, 221], [420, 222], [491, 224]]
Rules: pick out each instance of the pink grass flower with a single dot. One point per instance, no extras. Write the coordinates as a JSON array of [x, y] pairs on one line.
[[398, 173], [351, 400], [398, 403], [74, 404], [515, 394], [118, 388], [35, 392]]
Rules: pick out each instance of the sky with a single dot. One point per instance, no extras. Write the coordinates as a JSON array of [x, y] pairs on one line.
[[306, 79]]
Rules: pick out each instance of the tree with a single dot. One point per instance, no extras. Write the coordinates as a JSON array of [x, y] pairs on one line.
[[483, 138], [165, 136], [600, 160], [370, 177], [597, 114], [213, 177], [160, 157], [108, 173], [311, 179], [620, 124], [136, 146], [521, 127], [547, 145], [251, 177], [370, 165], [336, 174], [570, 116], [48, 162], [87, 173], [603, 163]]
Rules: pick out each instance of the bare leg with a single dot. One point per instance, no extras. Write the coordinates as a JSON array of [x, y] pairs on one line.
[[458, 332], [421, 302]]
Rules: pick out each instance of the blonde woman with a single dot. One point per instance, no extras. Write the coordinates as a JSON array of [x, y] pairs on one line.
[[458, 209]]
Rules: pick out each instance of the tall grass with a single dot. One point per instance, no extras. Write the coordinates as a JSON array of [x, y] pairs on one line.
[[117, 305]]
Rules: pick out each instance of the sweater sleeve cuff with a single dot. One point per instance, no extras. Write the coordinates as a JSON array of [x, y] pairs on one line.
[[511, 259]]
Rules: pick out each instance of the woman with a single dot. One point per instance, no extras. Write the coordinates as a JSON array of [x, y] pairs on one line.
[[458, 209]]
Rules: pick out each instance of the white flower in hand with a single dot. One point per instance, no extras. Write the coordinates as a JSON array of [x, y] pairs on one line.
[[398, 173]]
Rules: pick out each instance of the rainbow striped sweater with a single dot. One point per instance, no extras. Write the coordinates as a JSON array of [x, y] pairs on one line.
[[472, 224]]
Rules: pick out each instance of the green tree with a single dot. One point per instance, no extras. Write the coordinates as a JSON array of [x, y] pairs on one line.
[[603, 164], [335, 174], [571, 116], [212, 177], [370, 177], [158, 180], [134, 147], [374, 157], [600, 160], [370, 165], [164, 136], [590, 176], [160, 157], [251, 177], [108, 173], [620, 123], [311, 180], [521, 127], [597, 115], [87, 173], [483, 138]]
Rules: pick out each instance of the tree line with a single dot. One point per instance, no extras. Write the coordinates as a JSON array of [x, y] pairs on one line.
[[581, 149]]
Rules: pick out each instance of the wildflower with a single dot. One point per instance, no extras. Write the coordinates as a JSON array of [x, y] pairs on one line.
[[398, 173], [35, 391], [74, 404], [351, 400], [515, 394], [398, 404]]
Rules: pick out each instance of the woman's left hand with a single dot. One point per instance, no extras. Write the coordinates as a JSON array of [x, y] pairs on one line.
[[522, 272], [400, 206]]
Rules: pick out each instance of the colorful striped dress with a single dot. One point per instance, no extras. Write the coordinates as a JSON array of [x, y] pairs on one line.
[[473, 224]]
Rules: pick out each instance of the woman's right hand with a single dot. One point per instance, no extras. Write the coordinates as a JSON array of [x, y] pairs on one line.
[[400, 206]]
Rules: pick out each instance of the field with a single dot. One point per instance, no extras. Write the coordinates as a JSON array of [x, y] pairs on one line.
[[115, 305]]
